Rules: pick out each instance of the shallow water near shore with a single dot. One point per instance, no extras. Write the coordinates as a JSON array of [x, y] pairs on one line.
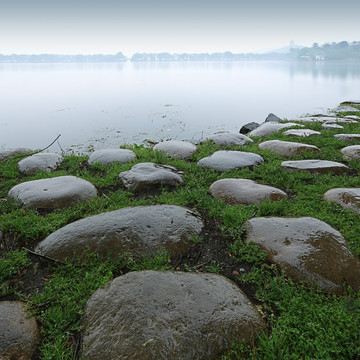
[[103, 105]]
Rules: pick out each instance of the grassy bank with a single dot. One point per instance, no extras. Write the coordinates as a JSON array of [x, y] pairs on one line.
[[302, 323]]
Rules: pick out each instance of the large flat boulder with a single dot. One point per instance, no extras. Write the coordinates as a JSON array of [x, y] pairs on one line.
[[287, 148], [301, 132], [270, 127], [307, 249], [224, 160], [107, 156], [331, 126], [228, 138], [243, 191], [151, 315], [176, 149], [347, 137], [52, 193], [317, 166], [40, 162], [351, 152], [348, 198], [345, 108], [5, 154], [141, 230], [351, 102], [326, 119]]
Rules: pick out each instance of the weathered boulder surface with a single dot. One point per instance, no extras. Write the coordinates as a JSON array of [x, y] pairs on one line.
[[224, 160], [107, 156], [19, 334], [52, 193], [145, 177], [347, 137], [40, 162], [287, 148], [269, 128], [351, 102], [243, 191], [331, 126], [317, 166], [245, 129], [348, 198], [346, 108], [272, 117], [307, 249], [141, 230], [352, 117], [228, 138], [4, 154], [176, 149], [150, 315], [301, 132], [351, 152], [324, 119]]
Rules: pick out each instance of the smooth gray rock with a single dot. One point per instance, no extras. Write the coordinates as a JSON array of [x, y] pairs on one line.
[[5, 154], [301, 132], [272, 117], [352, 117], [52, 193], [224, 160], [317, 166], [141, 230], [351, 152], [176, 149], [351, 102], [40, 162], [348, 198], [243, 191], [325, 119], [19, 334], [245, 129], [107, 156], [145, 177], [228, 138], [346, 108], [287, 148], [331, 126], [269, 128], [347, 137], [307, 249], [150, 315]]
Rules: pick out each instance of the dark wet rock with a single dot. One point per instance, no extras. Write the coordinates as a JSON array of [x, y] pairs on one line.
[[331, 126], [248, 127], [107, 156], [307, 249], [40, 162], [19, 334], [351, 152], [150, 315], [272, 117], [5, 154], [287, 148], [141, 230], [52, 193], [347, 137], [224, 160], [176, 149], [269, 128], [348, 198], [301, 132], [243, 191], [145, 177], [228, 138], [317, 166]]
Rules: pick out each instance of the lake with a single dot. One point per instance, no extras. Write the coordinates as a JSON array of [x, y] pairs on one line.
[[98, 105]]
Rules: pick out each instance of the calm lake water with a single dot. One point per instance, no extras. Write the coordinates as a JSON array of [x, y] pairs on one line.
[[106, 104]]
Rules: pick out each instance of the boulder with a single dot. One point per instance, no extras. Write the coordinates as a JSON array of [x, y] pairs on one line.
[[351, 102], [272, 117], [52, 193], [287, 148], [228, 138], [243, 191], [317, 166], [224, 160], [245, 129], [40, 162], [176, 149], [351, 152], [107, 156], [307, 249], [347, 137], [269, 128], [331, 126], [140, 230], [148, 315], [301, 132], [352, 117], [145, 177], [320, 119], [348, 198], [19, 334], [5, 154], [346, 108]]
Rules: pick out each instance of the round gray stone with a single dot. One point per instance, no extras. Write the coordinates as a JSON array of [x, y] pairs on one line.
[[176, 149], [243, 191], [347, 137], [107, 156], [351, 152], [287, 148], [144, 177], [228, 138], [307, 249], [269, 128], [141, 230], [5, 154], [301, 132], [19, 334], [317, 166], [150, 315], [53, 193], [272, 117], [40, 162], [348, 198], [331, 126], [224, 160]]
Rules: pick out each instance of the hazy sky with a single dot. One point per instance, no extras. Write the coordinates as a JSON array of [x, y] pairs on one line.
[[110, 26]]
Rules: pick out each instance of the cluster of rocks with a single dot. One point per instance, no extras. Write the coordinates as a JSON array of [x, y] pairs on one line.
[[185, 315]]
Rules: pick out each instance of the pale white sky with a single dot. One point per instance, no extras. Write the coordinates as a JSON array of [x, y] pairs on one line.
[[111, 26]]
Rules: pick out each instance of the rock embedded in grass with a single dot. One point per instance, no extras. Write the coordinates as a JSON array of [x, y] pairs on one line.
[[5, 154], [317, 166], [227, 138], [287, 148], [270, 127], [331, 126], [176, 149], [347, 137], [351, 152], [107, 156], [40, 162], [140, 230], [245, 129], [53, 193], [307, 249], [167, 315], [348, 198], [301, 132]]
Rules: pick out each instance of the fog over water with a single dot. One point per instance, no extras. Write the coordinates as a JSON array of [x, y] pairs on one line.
[[106, 105]]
